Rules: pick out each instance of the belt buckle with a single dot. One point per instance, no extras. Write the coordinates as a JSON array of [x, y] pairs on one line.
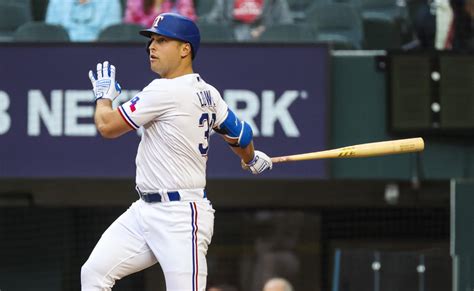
[[147, 197], [153, 197], [162, 196]]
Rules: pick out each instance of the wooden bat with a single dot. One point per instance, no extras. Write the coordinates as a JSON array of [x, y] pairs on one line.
[[373, 149]]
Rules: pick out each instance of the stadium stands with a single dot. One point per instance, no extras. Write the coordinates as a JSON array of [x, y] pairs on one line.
[[211, 32], [295, 33], [40, 32], [38, 9], [298, 8], [124, 32], [301, 5], [14, 14], [204, 6], [338, 24], [384, 21], [344, 24]]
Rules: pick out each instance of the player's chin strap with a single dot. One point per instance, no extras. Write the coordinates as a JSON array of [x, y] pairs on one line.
[[233, 128]]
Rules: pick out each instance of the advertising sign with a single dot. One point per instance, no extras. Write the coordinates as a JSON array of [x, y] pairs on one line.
[[46, 107]]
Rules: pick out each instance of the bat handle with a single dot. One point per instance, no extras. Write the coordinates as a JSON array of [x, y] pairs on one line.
[[276, 160]]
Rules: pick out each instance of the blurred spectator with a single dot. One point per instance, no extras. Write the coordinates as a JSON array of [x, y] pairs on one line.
[[444, 25], [433, 25], [462, 31], [250, 18], [469, 7], [143, 12], [274, 254], [83, 19], [277, 284], [425, 25]]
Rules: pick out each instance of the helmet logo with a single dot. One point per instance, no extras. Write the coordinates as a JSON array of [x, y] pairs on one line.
[[157, 20]]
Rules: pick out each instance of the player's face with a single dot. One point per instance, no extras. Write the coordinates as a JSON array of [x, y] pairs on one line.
[[165, 55]]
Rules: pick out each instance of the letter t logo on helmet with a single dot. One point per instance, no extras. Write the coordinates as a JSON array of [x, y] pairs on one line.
[[157, 21], [175, 26]]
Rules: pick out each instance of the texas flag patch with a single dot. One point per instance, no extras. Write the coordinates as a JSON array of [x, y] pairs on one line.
[[133, 103]]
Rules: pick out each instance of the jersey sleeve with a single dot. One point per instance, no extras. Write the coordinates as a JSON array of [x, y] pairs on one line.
[[221, 108], [151, 103]]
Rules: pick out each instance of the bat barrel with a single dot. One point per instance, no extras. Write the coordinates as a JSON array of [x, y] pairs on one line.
[[390, 147], [373, 149]]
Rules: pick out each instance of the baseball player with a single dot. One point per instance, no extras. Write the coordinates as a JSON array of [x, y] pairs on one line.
[[172, 222]]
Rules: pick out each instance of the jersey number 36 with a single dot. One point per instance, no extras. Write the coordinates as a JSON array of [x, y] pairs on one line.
[[208, 124]]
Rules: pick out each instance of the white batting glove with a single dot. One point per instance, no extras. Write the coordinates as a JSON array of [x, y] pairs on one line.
[[103, 83], [260, 163]]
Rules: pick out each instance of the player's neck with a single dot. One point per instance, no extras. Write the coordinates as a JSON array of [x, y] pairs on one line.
[[180, 71]]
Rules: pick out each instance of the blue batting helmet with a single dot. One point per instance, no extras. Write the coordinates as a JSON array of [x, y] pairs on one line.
[[175, 26]]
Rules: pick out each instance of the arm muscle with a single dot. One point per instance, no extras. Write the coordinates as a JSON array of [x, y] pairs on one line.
[[108, 121]]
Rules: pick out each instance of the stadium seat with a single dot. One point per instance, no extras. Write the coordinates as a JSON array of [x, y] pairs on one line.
[[123, 32], [386, 8], [40, 32], [353, 2], [299, 7], [215, 32], [336, 41], [382, 33], [336, 23], [386, 23], [14, 14], [295, 33], [203, 7]]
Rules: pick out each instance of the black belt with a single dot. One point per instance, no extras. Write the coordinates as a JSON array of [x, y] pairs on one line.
[[156, 197]]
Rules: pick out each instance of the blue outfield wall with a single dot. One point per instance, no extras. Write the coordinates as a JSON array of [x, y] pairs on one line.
[[46, 107], [298, 99]]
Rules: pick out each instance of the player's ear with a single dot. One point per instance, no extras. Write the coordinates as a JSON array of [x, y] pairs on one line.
[[186, 50]]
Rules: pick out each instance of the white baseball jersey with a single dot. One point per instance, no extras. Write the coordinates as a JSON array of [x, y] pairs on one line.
[[177, 116]]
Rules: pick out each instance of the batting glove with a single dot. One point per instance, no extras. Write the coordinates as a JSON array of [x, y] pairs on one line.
[[260, 163], [103, 83]]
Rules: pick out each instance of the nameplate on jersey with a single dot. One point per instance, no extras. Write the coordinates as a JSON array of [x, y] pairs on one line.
[[205, 99]]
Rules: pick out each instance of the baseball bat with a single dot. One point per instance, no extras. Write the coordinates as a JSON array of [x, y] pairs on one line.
[[373, 149]]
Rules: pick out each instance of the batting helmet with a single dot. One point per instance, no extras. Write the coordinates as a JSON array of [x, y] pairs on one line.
[[177, 27]]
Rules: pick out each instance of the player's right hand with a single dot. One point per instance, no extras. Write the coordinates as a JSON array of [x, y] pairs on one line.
[[103, 83], [260, 163]]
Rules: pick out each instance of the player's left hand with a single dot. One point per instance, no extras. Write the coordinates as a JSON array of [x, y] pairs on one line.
[[103, 83], [260, 163]]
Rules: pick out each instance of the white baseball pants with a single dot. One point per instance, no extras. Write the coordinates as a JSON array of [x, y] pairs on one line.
[[176, 234]]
